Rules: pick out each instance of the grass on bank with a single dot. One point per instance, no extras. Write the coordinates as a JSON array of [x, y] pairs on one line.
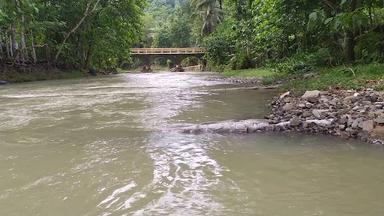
[[268, 76], [255, 72], [342, 77]]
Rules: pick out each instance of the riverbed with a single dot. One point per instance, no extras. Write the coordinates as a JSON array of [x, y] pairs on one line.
[[111, 146]]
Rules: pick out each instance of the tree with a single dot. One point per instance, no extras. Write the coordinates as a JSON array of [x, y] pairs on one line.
[[211, 13], [273, 30], [171, 28]]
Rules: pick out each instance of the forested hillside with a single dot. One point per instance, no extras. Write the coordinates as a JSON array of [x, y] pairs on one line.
[[290, 35], [70, 33], [169, 23]]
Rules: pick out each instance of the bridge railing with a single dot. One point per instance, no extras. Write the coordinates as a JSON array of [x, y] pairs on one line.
[[148, 51]]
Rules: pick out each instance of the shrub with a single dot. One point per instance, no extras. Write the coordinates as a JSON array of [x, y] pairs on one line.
[[322, 57], [293, 66], [241, 61], [169, 63], [160, 61], [220, 45], [190, 61]]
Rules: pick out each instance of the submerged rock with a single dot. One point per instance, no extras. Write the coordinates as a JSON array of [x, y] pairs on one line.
[[245, 126], [322, 123]]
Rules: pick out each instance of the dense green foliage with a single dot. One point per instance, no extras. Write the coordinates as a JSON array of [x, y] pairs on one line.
[[300, 34], [70, 33], [168, 24], [292, 36], [182, 23]]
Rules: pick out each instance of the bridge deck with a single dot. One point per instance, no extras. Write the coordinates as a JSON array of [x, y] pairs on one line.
[[169, 51]]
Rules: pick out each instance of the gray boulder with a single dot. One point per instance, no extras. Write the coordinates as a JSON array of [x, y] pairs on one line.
[[288, 107], [367, 125], [295, 121], [311, 94]]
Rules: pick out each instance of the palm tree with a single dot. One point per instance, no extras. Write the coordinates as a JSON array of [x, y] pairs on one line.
[[211, 12]]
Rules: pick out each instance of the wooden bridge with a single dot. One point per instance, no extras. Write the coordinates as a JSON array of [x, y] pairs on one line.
[[168, 51]]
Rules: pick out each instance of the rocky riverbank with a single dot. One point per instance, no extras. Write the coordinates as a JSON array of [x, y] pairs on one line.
[[348, 114]]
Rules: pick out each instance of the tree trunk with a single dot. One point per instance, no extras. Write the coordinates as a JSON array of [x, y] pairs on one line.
[[10, 47], [48, 54], [89, 57], [23, 51], [238, 10], [2, 42], [34, 57], [350, 37], [350, 47], [370, 13], [14, 44], [6, 44]]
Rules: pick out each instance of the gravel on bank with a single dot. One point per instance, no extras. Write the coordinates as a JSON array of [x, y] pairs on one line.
[[348, 114]]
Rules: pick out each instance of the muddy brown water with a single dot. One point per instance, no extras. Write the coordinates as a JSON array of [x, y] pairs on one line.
[[109, 146]]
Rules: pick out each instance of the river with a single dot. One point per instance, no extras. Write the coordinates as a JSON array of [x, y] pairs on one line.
[[110, 146]]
